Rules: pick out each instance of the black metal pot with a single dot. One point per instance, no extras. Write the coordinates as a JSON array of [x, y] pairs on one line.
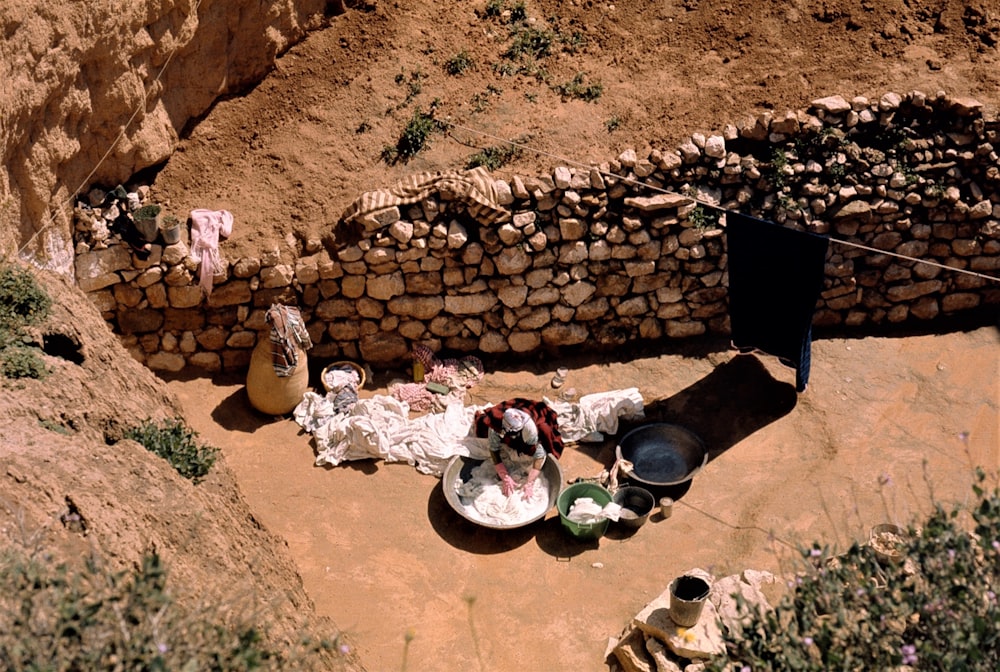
[[662, 453]]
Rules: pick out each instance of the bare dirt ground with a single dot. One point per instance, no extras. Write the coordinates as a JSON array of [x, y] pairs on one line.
[[885, 422], [288, 156], [377, 545]]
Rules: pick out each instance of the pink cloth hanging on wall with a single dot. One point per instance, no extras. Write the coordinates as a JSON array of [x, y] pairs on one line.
[[207, 228]]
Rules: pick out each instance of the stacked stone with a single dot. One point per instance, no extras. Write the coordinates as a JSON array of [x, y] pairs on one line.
[[599, 257]]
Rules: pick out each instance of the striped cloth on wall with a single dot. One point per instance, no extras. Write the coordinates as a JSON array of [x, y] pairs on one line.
[[474, 187]]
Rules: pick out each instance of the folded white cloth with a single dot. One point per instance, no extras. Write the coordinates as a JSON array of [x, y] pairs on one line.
[[585, 511]]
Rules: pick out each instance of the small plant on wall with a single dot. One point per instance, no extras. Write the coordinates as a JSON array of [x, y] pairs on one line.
[[703, 218]]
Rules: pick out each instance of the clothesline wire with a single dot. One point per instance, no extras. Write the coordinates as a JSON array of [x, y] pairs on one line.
[[706, 204], [139, 108]]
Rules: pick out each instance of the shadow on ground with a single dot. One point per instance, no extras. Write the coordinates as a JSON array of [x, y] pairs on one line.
[[738, 398], [466, 535]]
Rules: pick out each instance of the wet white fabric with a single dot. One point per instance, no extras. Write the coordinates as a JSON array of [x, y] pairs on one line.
[[595, 415], [380, 427], [585, 510], [483, 500]]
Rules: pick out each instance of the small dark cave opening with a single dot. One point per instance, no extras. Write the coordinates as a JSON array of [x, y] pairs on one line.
[[63, 346]]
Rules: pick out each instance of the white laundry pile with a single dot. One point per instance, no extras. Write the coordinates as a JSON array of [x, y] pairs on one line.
[[595, 415], [381, 427], [483, 500], [337, 378], [585, 511]]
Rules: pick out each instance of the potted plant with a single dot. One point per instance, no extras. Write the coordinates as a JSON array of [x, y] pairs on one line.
[[147, 221], [170, 229]]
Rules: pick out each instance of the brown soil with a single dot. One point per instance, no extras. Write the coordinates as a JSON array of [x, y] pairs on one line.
[[291, 154], [378, 547], [884, 423]]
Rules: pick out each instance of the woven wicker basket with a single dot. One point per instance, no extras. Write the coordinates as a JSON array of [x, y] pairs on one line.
[[343, 365]]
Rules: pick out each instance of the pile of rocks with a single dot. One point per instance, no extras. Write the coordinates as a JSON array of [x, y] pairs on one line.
[[652, 642]]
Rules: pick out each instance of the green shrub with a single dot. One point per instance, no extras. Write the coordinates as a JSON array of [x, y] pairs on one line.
[[776, 168], [22, 301], [530, 42], [458, 63], [414, 138], [938, 610], [575, 88], [481, 101], [151, 211], [494, 8], [21, 361], [494, 157], [704, 218], [518, 12], [88, 617], [174, 442]]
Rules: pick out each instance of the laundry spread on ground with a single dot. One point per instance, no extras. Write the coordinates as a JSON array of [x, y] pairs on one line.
[[482, 498], [380, 427]]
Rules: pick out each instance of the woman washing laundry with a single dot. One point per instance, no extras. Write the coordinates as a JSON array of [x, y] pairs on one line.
[[520, 430]]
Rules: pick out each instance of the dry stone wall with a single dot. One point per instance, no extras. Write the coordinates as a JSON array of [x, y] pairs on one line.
[[598, 257]]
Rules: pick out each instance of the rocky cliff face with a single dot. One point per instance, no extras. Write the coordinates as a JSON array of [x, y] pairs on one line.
[[95, 91]]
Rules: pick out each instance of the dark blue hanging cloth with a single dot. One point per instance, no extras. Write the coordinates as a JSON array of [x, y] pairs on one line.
[[775, 277]]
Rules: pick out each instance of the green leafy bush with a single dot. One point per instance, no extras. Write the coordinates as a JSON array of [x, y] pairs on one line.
[[494, 8], [494, 157], [704, 218], [575, 88], [88, 617], [23, 302], [529, 42], [458, 63], [151, 211], [21, 361], [935, 610], [174, 442], [414, 138]]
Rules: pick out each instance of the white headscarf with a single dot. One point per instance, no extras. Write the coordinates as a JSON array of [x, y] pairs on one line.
[[514, 419]]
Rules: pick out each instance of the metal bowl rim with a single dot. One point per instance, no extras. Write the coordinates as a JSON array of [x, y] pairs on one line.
[[683, 430], [451, 496]]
